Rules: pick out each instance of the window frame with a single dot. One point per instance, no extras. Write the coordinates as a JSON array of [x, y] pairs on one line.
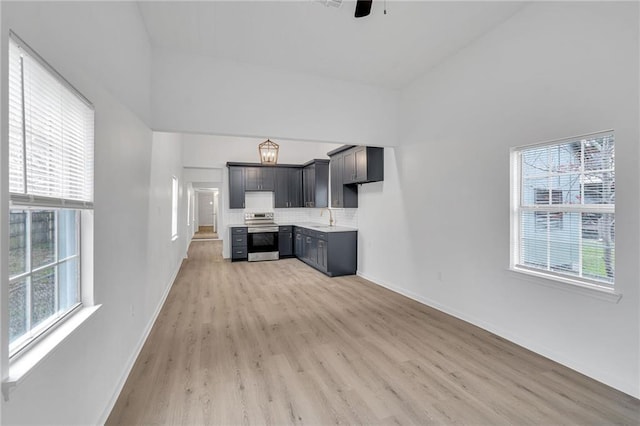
[[175, 188], [34, 332], [518, 206], [83, 234]]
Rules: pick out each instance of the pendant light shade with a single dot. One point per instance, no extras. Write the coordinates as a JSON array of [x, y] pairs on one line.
[[268, 152]]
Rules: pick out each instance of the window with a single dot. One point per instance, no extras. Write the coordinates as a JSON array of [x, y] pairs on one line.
[[563, 217], [545, 220], [50, 184], [174, 208]]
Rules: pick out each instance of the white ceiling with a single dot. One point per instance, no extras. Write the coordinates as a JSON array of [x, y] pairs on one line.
[[305, 36]]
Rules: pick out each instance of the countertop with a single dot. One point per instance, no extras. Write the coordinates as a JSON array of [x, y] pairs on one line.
[[309, 225], [320, 227]]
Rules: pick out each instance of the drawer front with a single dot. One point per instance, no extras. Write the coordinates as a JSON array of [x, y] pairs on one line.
[[239, 253], [237, 231], [285, 228], [239, 240], [321, 235]]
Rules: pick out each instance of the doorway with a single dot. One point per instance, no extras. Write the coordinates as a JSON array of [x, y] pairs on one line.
[[206, 214]]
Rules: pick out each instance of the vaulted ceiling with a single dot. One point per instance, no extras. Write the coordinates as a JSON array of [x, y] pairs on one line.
[[386, 50]]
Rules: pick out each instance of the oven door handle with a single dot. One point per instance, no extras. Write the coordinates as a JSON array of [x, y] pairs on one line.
[[263, 230]]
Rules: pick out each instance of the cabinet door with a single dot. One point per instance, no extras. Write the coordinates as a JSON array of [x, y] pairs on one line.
[[252, 178], [295, 188], [360, 155], [308, 181], [236, 188], [349, 168], [298, 244], [321, 184], [259, 178], [285, 243], [322, 255], [282, 188], [335, 168], [267, 178], [311, 249]]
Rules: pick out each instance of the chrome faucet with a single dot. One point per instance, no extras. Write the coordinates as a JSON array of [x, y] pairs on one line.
[[331, 221]]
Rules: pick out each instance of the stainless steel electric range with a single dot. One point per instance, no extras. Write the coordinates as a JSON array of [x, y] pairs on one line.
[[262, 237]]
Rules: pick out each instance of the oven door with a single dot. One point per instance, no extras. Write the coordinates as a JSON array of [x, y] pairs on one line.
[[262, 245]]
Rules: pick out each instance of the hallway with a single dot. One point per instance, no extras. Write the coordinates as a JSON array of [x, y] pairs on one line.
[[279, 343]]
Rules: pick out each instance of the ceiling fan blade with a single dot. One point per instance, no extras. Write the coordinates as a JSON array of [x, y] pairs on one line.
[[363, 8]]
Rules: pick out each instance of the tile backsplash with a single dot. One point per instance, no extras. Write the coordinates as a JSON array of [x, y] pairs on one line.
[[342, 217]]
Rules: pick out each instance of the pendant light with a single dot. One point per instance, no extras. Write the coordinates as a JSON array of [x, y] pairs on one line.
[[268, 152]]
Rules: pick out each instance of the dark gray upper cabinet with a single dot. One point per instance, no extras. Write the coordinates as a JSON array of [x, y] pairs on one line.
[[288, 187], [315, 182], [342, 196], [363, 164], [236, 187], [259, 179], [294, 185]]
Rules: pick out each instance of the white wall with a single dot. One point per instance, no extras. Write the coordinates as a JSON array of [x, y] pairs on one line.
[[165, 254], [554, 70], [202, 95], [216, 151], [101, 48], [107, 42]]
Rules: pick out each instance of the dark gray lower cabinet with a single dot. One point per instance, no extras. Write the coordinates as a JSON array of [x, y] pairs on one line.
[[285, 241], [239, 243], [333, 253], [298, 242]]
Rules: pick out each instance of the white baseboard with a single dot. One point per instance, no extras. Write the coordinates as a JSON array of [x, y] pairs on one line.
[[132, 359], [627, 387]]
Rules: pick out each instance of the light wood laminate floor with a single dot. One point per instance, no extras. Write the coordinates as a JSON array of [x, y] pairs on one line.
[[279, 343]]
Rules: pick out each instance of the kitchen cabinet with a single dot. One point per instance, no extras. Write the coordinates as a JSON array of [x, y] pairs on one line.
[[259, 178], [285, 241], [342, 196], [321, 261], [363, 164], [332, 253], [298, 242], [288, 187], [239, 243], [315, 182], [236, 187], [294, 186]]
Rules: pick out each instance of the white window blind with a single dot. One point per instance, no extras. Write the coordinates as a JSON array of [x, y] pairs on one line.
[[50, 134], [564, 208]]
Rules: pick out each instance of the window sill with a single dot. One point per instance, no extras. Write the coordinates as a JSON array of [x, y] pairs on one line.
[[39, 351], [566, 284]]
